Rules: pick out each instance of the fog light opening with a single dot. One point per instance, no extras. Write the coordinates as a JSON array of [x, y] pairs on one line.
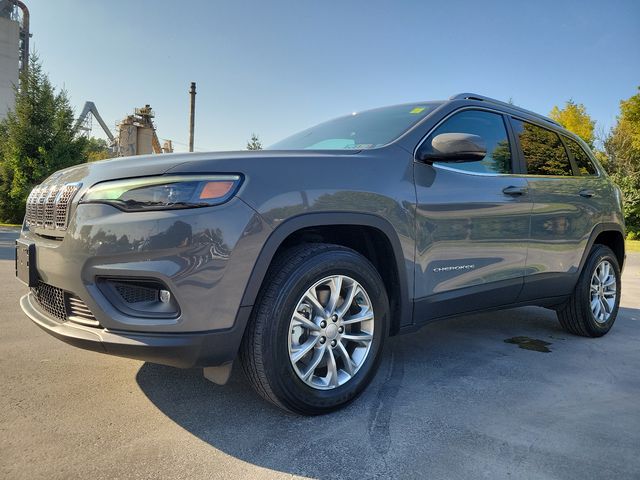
[[146, 298]]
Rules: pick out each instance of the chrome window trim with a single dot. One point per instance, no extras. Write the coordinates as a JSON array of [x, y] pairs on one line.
[[521, 175], [442, 166]]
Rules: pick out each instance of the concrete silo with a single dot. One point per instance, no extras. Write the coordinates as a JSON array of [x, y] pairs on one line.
[[14, 49]]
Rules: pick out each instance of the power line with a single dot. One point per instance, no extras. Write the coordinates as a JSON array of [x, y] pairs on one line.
[[200, 149]]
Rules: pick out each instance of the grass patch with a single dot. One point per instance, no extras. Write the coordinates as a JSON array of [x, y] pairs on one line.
[[632, 245], [17, 225]]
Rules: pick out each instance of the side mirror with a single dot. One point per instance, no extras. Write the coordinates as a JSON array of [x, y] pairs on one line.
[[453, 147]]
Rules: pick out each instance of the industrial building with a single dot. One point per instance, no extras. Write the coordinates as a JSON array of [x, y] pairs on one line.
[[14, 49], [136, 134]]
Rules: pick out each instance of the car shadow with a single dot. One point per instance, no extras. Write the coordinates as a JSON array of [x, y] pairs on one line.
[[397, 413]]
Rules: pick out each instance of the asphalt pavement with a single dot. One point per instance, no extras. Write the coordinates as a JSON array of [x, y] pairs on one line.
[[453, 401]]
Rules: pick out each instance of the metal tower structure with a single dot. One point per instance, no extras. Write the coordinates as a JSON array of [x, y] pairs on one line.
[[137, 134], [14, 50], [18, 12], [84, 120]]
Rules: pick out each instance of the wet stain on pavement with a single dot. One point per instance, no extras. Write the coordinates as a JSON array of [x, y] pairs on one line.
[[530, 344]]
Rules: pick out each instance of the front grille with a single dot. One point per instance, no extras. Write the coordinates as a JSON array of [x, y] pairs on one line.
[[132, 293], [62, 305], [51, 299], [48, 205], [78, 312]]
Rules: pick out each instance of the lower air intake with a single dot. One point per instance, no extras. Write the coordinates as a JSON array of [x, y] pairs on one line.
[[62, 305]]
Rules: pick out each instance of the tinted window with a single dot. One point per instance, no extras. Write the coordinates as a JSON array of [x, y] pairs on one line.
[[543, 151], [584, 163], [489, 126], [360, 130]]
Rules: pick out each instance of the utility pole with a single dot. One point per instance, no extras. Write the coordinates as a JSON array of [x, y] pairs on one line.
[[192, 116]]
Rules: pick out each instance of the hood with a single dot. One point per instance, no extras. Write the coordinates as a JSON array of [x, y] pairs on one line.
[[211, 162]]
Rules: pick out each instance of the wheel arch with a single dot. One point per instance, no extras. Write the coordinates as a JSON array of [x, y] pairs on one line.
[[610, 235], [334, 227]]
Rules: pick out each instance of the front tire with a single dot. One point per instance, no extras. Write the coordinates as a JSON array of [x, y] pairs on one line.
[[315, 337], [593, 307]]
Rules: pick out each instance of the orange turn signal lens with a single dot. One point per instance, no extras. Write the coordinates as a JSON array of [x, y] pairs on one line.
[[212, 190]]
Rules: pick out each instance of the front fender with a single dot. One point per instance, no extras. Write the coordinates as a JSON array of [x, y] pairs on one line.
[[294, 224]]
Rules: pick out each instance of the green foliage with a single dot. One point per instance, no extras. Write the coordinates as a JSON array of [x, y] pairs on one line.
[[97, 149], [633, 236], [574, 117], [254, 143], [621, 158], [630, 187], [544, 153], [630, 120], [36, 139]]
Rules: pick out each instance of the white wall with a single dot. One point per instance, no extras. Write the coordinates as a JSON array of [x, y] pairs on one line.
[[9, 36]]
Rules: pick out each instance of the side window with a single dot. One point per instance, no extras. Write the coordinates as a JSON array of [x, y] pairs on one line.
[[489, 126], [543, 151], [584, 163]]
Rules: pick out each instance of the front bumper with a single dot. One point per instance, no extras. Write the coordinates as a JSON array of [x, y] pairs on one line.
[[203, 257], [183, 350]]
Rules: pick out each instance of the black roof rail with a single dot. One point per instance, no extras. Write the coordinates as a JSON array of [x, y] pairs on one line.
[[482, 98]]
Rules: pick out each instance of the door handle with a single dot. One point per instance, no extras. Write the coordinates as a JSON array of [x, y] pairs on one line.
[[512, 190], [586, 193]]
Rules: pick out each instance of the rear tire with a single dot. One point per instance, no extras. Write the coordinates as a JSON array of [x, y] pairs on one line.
[[593, 307], [286, 323]]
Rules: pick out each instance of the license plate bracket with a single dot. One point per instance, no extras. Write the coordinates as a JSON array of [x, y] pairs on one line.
[[26, 262]]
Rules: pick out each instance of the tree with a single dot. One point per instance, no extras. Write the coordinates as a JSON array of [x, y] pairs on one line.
[[574, 117], [97, 149], [37, 138], [254, 143], [621, 158]]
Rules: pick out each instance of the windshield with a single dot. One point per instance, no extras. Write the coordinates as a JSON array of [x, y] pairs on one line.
[[360, 130]]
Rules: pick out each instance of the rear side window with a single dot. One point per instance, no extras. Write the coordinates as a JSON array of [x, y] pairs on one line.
[[543, 150], [490, 127], [584, 163]]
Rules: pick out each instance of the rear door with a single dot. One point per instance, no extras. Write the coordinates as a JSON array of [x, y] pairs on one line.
[[472, 223], [566, 207]]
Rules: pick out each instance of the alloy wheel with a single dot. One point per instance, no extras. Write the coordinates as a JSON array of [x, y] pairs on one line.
[[330, 332], [603, 291]]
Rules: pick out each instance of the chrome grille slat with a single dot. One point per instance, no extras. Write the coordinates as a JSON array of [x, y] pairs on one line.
[[40, 206], [63, 204], [31, 206], [80, 313], [48, 205]]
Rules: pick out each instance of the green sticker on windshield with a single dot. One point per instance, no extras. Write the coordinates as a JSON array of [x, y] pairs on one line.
[[417, 110]]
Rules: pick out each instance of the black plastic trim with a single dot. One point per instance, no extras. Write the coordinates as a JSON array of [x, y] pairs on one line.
[[465, 300], [597, 230], [300, 222], [183, 350], [546, 302], [106, 288]]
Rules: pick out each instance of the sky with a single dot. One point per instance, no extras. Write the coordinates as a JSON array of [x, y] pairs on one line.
[[276, 67]]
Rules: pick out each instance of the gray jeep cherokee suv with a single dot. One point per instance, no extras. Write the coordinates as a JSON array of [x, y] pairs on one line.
[[302, 259]]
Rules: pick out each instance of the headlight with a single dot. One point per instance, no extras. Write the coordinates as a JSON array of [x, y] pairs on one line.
[[164, 192]]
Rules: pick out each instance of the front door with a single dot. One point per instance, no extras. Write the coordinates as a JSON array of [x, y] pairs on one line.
[[472, 224]]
